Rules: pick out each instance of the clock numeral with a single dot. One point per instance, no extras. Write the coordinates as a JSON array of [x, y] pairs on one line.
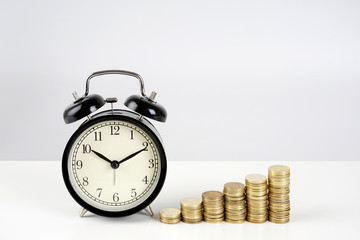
[[86, 148], [131, 135], [100, 191], [145, 180], [85, 181], [133, 193], [151, 163], [145, 144], [79, 164], [98, 136], [114, 130], [116, 197]]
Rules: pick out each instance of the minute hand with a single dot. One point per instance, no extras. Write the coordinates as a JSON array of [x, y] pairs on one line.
[[132, 155]]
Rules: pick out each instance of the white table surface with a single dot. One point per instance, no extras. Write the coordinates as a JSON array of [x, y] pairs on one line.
[[325, 203]]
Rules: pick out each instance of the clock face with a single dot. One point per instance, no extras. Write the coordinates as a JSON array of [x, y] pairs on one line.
[[114, 166]]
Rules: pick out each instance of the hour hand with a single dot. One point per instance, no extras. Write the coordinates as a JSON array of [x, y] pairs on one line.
[[101, 156]]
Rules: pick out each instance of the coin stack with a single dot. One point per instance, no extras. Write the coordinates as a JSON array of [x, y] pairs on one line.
[[279, 189], [170, 215], [191, 210], [256, 196], [213, 202], [235, 208]]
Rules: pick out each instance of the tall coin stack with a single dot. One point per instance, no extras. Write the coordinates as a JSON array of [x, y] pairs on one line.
[[279, 189], [213, 202], [256, 196], [191, 210], [235, 208]]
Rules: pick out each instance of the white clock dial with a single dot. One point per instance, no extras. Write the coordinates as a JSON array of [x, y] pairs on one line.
[[114, 165]]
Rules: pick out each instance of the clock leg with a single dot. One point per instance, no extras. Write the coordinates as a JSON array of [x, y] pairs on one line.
[[149, 211], [82, 212]]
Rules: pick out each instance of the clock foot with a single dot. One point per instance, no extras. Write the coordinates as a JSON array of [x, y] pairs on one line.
[[149, 211], [82, 212]]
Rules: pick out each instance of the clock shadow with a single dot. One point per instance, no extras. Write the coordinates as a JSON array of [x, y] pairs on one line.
[[141, 216]]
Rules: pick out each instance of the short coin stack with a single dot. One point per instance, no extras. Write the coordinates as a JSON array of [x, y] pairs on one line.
[[256, 196], [279, 189], [170, 215], [235, 208], [213, 202], [191, 210]]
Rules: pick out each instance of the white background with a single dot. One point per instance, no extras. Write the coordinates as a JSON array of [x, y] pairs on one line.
[[241, 80]]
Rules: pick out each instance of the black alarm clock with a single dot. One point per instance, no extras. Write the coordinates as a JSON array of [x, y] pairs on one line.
[[114, 164]]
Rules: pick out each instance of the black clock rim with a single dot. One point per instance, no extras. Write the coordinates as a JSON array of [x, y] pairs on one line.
[[142, 205]]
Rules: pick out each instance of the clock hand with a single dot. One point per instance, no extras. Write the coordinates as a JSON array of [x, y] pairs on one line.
[[132, 155], [101, 156]]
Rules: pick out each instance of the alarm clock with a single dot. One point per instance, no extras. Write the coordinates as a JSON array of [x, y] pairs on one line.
[[114, 164]]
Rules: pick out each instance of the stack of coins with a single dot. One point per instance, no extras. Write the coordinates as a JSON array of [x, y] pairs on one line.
[[279, 189], [235, 208], [170, 215], [191, 210], [213, 202], [256, 196]]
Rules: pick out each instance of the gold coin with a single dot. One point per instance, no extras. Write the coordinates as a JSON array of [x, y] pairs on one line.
[[284, 203], [279, 191], [185, 211], [277, 185], [256, 220], [235, 199], [278, 170], [198, 216], [212, 195], [279, 180], [213, 206], [192, 222], [279, 220], [234, 188], [279, 214], [167, 221], [235, 216], [209, 220], [193, 219], [257, 205], [253, 187], [242, 202], [279, 204], [235, 208], [240, 211], [256, 194], [192, 216], [260, 211], [213, 203], [234, 221], [190, 203], [278, 195], [170, 213], [255, 179], [257, 199], [279, 177], [213, 214], [279, 199]]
